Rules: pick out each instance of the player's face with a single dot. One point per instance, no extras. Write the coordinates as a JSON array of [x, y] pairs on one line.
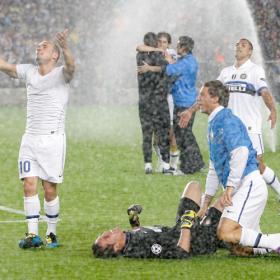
[[242, 49], [44, 52], [163, 43], [110, 238], [205, 101]]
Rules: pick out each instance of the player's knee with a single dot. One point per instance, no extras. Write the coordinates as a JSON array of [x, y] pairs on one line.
[[192, 186], [193, 191], [30, 186], [50, 191]]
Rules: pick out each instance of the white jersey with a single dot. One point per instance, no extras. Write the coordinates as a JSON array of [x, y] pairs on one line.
[[245, 84], [172, 52], [47, 98]]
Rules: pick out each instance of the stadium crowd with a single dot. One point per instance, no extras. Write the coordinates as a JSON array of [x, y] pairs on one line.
[[24, 22]]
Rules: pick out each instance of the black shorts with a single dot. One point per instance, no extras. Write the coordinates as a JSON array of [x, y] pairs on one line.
[[203, 233]]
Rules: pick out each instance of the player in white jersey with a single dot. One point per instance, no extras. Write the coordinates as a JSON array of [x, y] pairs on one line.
[[247, 85], [42, 150]]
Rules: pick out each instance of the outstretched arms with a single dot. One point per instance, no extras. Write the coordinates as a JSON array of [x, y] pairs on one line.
[[69, 67], [7, 68]]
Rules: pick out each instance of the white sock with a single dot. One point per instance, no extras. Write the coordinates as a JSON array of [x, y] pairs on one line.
[[32, 212], [271, 179], [52, 212], [256, 239], [174, 159]]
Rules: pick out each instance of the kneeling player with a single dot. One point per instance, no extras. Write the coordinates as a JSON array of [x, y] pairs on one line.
[[187, 237]]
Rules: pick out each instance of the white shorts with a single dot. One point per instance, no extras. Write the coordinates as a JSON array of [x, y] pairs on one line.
[[171, 107], [257, 142], [42, 156], [248, 202]]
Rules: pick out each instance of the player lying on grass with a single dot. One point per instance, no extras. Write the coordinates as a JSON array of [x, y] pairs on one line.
[[189, 236]]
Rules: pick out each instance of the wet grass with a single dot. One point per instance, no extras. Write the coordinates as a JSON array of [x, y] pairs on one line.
[[103, 176]]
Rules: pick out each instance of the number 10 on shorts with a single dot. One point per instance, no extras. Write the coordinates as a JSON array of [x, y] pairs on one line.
[[24, 166]]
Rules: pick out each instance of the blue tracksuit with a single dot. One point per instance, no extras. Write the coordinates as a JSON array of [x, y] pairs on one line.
[[226, 132], [184, 89]]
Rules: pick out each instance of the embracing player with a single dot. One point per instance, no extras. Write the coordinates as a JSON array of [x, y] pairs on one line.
[[43, 146]]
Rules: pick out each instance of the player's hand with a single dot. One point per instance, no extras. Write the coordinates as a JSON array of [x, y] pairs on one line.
[[144, 68], [133, 211], [188, 219], [272, 118], [226, 198], [61, 38], [202, 211], [185, 117]]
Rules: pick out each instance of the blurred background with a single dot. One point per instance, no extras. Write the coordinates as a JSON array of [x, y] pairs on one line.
[[104, 35]]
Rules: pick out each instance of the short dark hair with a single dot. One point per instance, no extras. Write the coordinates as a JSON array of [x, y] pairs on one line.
[[217, 88], [186, 42], [249, 42], [150, 39], [165, 35], [100, 252]]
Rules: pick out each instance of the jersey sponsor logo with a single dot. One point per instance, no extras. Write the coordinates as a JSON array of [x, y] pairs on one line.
[[241, 87], [236, 88], [156, 249], [243, 76]]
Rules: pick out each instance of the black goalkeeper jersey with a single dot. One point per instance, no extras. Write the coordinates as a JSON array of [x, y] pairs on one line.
[[161, 241], [153, 242]]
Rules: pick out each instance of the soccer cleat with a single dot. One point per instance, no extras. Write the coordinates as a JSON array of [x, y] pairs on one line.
[[169, 171], [148, 168], [51, 241], [30, 241]]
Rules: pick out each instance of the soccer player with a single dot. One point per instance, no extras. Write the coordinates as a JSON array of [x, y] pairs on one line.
[[187, 237], [42, 150], [247, 86], [233, 163], [164, 42], [153, 106]]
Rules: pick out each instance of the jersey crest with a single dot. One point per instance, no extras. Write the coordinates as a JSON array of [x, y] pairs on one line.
[[156, 249]]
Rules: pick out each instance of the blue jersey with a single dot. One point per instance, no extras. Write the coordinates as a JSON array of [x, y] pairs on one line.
[[226, 132], [184, 89]]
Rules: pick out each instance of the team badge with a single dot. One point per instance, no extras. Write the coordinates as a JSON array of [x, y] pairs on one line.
[[243, 76], [156, 249]]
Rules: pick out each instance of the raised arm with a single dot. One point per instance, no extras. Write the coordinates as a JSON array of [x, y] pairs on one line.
[[270, 104], [7, 68], [69, 66]]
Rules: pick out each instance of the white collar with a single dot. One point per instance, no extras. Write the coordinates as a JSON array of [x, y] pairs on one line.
[[214, 113], [245, 64]]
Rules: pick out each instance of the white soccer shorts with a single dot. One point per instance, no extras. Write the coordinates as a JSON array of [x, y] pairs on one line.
[[257, 142], [248, 202], [42, 156]]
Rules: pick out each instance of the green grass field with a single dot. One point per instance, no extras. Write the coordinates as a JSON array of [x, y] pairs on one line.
[[103, 176]]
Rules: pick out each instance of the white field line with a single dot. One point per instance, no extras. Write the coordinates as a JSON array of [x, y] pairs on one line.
[[43, 218]]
